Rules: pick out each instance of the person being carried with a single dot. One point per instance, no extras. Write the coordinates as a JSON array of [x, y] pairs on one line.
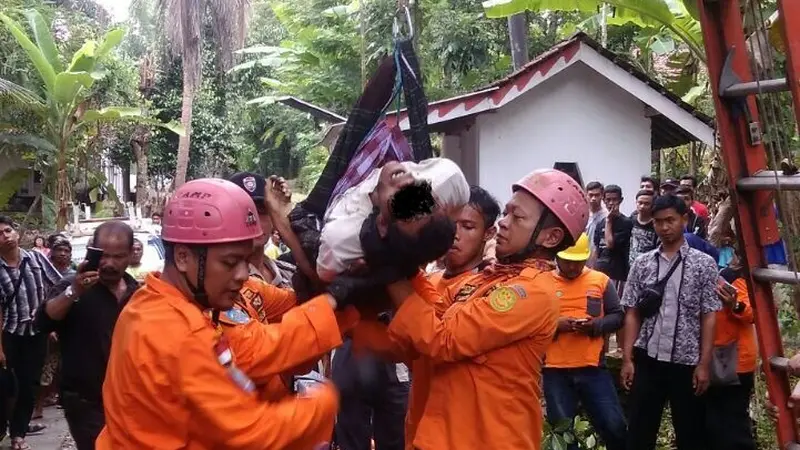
[[386, 217]]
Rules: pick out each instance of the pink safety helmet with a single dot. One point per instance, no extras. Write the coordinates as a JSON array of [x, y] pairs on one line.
[[561, 194], [210, 211]]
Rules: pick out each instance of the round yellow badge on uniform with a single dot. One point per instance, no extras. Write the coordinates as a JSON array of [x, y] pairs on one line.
[[503, 299]]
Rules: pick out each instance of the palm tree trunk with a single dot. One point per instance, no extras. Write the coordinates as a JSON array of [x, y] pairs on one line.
[[182, 165], [140, 143], [61, 186]]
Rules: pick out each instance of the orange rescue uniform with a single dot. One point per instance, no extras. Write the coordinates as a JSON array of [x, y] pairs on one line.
[[485, 354], [166, 389], [733, 326], [573, 350]]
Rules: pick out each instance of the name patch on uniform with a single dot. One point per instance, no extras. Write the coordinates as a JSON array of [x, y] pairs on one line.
[[237, 316], [503, 299], [465, 292], [256, 301]]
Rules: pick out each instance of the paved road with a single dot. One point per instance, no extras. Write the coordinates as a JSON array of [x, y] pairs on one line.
[[55, 437]]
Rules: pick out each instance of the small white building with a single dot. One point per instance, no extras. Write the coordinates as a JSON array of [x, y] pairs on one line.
[[576, 106]]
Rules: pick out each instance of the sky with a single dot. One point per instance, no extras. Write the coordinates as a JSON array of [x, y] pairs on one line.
[[117, 8]]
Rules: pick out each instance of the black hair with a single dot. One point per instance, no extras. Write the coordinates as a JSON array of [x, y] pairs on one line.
[[59, 241], [485, 203], [692, 178], [594, 185], [649, 179], [645, 192], [156, 214], [6, 220], [685, 190], [412, 201], [113, 226], [670, 201], [135, 240], [613, 189]]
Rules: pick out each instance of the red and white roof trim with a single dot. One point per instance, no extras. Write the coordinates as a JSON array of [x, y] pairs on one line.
[[549, 64]]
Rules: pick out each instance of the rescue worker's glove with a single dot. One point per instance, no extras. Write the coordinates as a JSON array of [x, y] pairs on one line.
[[367, 289]]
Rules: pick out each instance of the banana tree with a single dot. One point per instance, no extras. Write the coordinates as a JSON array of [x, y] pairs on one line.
[[63, 99]]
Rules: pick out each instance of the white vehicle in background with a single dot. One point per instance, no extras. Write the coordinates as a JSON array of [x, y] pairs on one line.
[[80, 231]]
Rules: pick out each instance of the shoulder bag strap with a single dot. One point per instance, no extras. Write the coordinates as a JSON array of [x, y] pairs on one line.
[[17, 283]]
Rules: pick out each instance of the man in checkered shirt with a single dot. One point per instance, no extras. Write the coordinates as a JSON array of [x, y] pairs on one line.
[[25, 278]]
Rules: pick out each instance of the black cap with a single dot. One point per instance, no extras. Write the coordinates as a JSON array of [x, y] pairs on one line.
[[670, 182], [254, 185]]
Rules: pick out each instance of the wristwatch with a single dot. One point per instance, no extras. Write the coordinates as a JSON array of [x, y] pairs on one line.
[[70, 294]]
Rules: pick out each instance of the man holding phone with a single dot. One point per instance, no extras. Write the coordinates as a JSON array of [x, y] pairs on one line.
[[83, 309], [575, 365]]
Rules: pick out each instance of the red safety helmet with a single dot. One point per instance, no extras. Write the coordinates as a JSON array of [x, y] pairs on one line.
[[560, 194], [210, 211]]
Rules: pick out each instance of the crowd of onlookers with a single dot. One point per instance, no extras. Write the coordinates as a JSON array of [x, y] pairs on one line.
[[688, 336], [675, 305]]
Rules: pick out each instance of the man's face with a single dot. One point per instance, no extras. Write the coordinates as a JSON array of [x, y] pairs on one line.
[[392, 178], [471, 237], [136, 253], [687, 183], [9, 238], [156, 219], [647, 185], [226, 270], [668, 189], [687, 199], [267, 228], [515, 229], [61, 255], [116, 256], [276, 237], [612, 201], [644, 204], [595, 196], [669, 225], [570, 269]]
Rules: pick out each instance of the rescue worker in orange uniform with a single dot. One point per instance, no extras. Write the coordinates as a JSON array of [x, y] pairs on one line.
[[475, 230], [487, 348], [173, 380], [728, 403], [574, 366], [266, 296]]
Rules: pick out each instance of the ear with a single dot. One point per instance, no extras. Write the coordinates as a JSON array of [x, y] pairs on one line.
[[183, 258], [551, 237]]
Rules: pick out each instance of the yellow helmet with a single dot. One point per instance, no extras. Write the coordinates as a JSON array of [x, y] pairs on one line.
[[578, 252]]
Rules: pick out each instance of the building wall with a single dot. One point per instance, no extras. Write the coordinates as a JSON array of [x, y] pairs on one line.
[[577, 116]]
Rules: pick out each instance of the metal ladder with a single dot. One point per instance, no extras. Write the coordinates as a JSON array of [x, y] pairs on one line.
[[752, 186]]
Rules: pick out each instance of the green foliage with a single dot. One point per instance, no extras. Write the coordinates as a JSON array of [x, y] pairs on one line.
[[10, 182], [566, 432]]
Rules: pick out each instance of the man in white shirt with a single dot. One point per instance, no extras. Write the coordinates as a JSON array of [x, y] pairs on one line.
[[597, 212]]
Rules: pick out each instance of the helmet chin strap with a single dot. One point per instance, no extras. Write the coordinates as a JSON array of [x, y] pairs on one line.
[[529, 249], [199, 292]]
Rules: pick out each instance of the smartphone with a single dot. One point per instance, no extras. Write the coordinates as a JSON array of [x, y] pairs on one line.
[[581, 321], [93, 256]]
